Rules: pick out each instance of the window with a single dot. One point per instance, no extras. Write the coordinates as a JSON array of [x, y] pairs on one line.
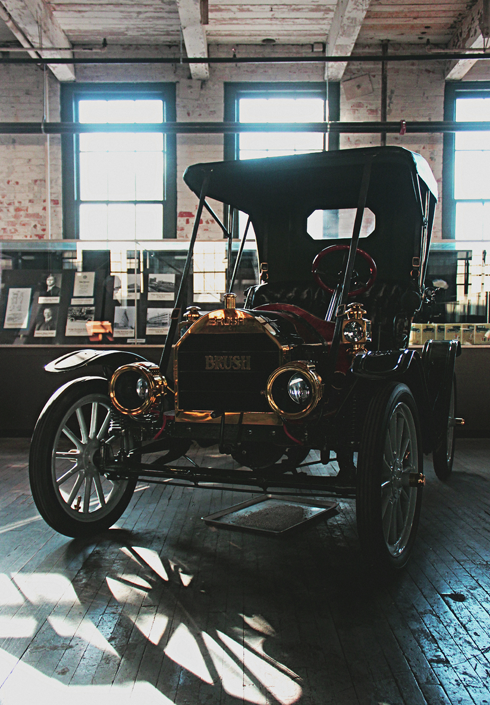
[[466, 203], [119, 186], [280, 102]]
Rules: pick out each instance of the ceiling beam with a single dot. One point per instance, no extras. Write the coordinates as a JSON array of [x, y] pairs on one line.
[[467, 36], [34, 25], [346, 24], [194, 35]]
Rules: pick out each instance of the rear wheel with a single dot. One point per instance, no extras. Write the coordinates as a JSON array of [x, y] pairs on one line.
[[72, 496], [443, 455], [389, 478]]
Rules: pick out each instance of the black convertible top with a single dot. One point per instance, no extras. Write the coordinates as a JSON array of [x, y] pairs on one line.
[[279, 193]]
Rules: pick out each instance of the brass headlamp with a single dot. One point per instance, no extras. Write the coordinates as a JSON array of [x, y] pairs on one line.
[[136, 388], [294, 390]]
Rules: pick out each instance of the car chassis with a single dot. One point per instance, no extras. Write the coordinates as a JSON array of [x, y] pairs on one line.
[[309, 363]]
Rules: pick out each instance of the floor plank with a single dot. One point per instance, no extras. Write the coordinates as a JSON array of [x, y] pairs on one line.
[[165, 609]]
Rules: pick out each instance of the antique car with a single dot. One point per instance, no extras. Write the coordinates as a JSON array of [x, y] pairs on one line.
[[314, 370]]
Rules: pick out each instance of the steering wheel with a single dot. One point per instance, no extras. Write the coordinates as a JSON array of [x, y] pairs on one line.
[[327, 252]]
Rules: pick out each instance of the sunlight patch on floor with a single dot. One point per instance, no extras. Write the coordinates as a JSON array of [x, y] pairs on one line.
[[184, 650], [81, 628]]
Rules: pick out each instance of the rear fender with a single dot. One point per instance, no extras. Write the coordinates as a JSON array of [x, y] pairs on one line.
[[402, 366], [439, 361], [110, 359]]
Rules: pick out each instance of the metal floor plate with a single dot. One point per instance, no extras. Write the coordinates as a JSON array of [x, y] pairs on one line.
[[272, 515]]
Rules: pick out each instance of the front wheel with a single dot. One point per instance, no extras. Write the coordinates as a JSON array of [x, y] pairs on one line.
[[72, 496], [389, 478]]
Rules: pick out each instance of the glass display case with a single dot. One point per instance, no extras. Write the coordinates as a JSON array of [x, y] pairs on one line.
[[98, 293]]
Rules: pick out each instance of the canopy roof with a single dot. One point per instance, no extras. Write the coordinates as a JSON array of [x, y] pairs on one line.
[[279, 193]]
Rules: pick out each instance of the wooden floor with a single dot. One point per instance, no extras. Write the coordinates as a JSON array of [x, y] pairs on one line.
[[165, 609]]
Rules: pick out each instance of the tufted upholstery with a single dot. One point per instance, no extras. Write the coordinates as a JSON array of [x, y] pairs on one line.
[[388, 305]]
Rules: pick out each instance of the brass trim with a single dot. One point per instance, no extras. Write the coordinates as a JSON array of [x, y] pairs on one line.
[[218, 322], [250, 418], [416, 479], [308, 370], [157, 384], [355, 312]]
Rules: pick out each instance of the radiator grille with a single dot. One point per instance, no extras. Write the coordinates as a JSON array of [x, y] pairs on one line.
[[201, 389]]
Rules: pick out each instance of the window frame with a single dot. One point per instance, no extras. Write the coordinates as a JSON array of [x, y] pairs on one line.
[[281, 89], [453, 91], [71, 94]]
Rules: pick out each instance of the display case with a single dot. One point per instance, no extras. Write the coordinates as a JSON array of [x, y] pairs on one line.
[[97, 293]]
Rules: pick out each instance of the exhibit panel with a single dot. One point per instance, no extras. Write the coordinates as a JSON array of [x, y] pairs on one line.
[[79, 294]]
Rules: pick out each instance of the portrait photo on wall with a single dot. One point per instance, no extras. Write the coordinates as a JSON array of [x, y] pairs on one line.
[[77, 318], [46, 321], [50, 289]]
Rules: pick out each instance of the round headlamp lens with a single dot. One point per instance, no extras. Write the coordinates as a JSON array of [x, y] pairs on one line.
[[353, 331], [298, 389], [142, 388]]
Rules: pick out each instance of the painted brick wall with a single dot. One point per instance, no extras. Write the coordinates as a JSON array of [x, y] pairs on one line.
[[24, 209], [415, 92]]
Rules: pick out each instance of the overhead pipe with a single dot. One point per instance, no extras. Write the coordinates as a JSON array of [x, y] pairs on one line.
[[173, 128], [440, 55], [384, 89]]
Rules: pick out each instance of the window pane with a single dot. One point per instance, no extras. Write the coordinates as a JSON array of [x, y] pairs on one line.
[[471, 175], [121, 176], [471, 109], [472, 140], [121, 221], [93, 221], [148, 111], [92, 111], [93, 177], [339, 223], [149, 176], [469, 221], [120, 111], [149, 221]]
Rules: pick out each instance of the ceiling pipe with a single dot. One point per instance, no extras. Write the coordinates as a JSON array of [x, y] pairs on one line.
[[441, 55], [172, 128]]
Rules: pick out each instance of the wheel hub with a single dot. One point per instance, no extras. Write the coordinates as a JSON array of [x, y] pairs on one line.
[[90, 449], [396, 479]]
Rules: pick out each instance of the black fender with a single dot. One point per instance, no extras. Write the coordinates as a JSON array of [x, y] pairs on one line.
[[111, 359], [402, 366], [55, 396], [439, 360]]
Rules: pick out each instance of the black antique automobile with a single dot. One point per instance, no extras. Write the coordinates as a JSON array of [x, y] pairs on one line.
[[316, 360]]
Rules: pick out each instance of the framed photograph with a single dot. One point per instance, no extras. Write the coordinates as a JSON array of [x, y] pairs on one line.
[[46, 322], [77, 319], [50, 289], [83, 286], [158, 321], [124, 321], [161, 287], [17, 310]]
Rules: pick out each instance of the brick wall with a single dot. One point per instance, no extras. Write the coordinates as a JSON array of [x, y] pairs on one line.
[[30, 208], [27, 207]]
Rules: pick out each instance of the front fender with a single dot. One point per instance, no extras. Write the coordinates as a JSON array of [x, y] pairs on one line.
[[79, 381], [111, 359]]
